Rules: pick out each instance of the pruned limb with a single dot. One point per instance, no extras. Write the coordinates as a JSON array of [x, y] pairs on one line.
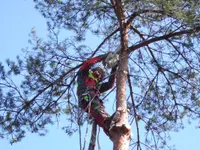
[[120, 128]]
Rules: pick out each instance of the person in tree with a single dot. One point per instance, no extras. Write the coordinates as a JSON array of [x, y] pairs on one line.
[[90, 86]]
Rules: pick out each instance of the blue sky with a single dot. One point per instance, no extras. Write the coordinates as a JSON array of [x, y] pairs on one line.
[[18, 17]]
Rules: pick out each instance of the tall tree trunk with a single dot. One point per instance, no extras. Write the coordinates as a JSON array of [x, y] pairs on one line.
[[121, 134]]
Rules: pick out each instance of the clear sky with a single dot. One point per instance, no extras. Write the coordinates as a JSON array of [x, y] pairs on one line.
[[17, 18]]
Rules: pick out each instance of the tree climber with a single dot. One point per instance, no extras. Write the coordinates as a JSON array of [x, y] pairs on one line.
[[90, 87]]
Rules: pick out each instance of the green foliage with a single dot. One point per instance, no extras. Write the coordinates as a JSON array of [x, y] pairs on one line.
[[164, 74]]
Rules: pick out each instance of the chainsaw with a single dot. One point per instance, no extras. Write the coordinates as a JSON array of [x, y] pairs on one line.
[[112, 59]]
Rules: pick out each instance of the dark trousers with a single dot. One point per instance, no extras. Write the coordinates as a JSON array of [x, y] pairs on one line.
[[94, 106]]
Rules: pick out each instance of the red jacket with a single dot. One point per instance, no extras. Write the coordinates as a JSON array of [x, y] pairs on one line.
[[87, 83]]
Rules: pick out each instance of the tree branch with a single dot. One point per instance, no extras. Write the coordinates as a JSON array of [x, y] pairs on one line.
[[131, 17], [180, 53], [108, 37], [93, 136], [135, 112], [160, 38]]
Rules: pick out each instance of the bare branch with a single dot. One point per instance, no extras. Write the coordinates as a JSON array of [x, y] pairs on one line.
[[135, 14], [164, 37], [93, 136], [108, 37], [135, 112]]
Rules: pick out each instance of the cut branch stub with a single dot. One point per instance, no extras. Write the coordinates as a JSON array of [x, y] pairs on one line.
[[121, 128]]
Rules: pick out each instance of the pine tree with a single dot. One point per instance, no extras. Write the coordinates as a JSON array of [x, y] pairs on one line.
[[158, 82]]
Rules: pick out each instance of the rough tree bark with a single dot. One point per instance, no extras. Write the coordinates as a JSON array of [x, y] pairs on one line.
[[121, 134]]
